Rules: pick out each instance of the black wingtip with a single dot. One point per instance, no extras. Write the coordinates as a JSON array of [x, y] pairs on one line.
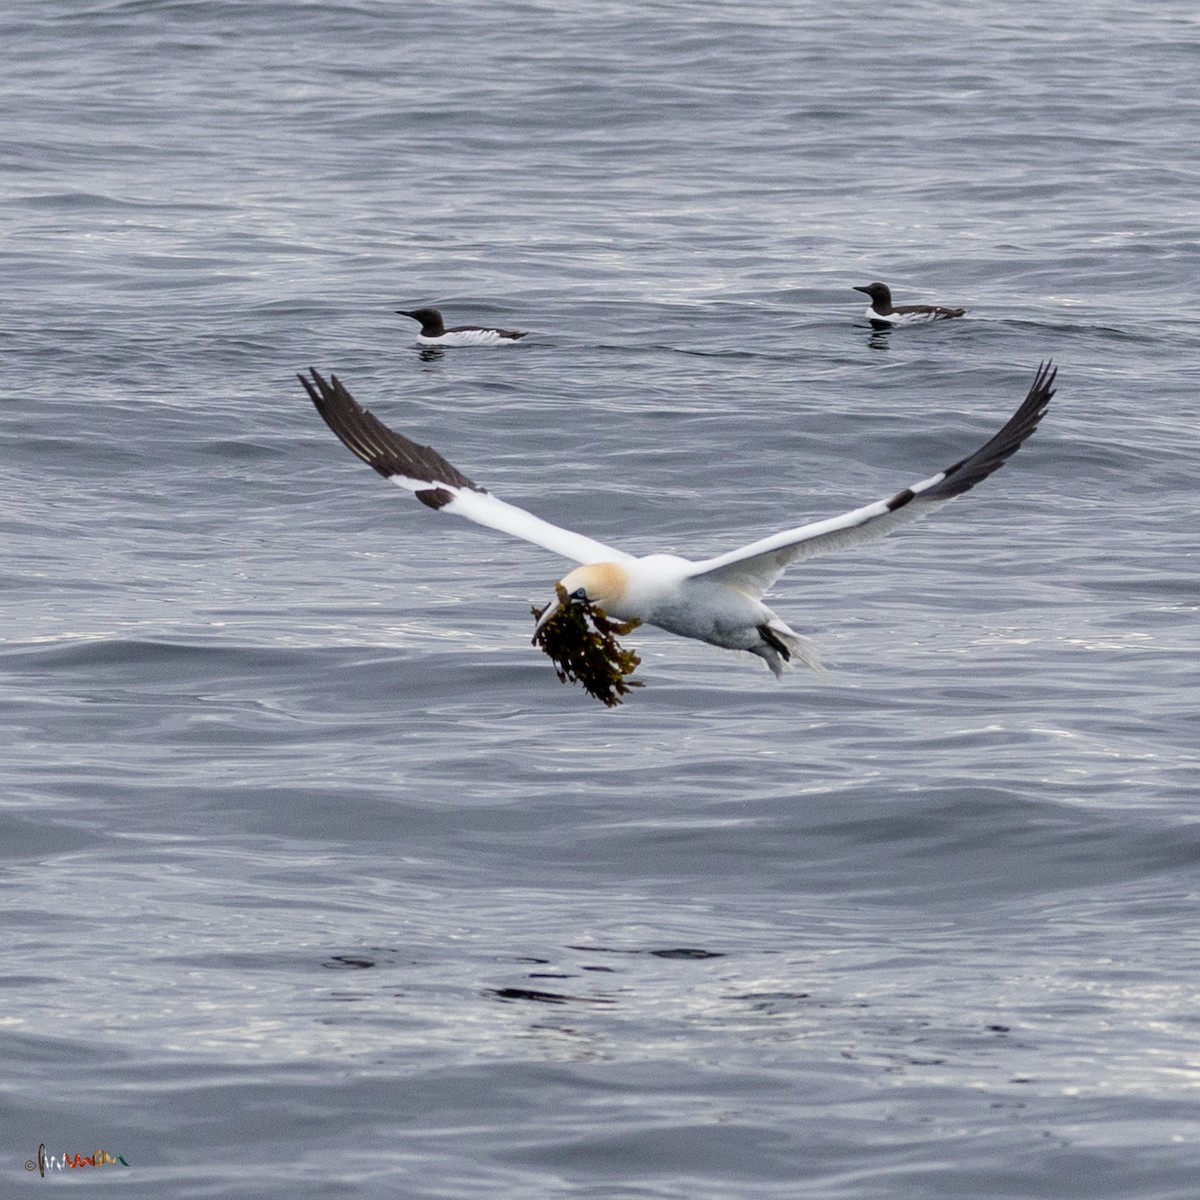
[[352, 423], [383, 449], [313, 394], [991, 456]]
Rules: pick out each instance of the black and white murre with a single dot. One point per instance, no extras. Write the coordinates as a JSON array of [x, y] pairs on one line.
[[883, 314], [434, 331]]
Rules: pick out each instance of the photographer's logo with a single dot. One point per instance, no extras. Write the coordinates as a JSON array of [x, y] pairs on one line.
[[47, 1162]]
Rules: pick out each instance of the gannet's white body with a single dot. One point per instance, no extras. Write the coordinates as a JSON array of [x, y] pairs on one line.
[[717, 600], [672, 593]]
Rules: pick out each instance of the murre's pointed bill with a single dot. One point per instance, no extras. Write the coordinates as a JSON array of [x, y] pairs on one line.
[[883, 314], [434, 331], [715, 600]]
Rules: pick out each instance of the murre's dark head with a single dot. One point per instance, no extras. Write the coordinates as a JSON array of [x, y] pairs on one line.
[[430, 318], [880, 293]]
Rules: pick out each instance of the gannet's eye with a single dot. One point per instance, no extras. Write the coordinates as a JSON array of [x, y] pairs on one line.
[[579, 594]]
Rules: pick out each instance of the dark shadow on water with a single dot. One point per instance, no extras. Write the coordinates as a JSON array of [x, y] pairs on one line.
[[543, 996], [677, 952], [514, 993]]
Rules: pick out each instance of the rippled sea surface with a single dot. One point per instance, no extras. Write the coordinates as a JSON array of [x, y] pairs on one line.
[[317, 883]]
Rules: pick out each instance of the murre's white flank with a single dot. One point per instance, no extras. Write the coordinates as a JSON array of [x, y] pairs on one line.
[[883, 314], [716, 600], [434, 331]]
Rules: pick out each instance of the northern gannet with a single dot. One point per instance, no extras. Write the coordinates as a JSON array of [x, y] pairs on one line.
[[715, 600]]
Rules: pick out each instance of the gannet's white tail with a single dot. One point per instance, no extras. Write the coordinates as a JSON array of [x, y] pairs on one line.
[[781, 645]]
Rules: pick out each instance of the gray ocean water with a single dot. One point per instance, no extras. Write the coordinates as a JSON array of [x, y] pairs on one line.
[[317, 883]]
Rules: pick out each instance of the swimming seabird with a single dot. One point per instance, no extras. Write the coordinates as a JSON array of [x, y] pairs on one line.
[[716, 600], [883, 314], [434, 332]]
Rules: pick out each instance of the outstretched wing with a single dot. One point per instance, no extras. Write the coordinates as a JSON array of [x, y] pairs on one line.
[[754, 568], [436, 482]]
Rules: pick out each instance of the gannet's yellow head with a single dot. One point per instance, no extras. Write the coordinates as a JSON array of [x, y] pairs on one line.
[[603, 584], [578, 632]]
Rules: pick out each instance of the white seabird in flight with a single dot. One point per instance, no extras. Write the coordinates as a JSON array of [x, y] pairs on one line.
[[716, 600]]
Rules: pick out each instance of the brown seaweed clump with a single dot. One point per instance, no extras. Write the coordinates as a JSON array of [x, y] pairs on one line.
[[582, 643]]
